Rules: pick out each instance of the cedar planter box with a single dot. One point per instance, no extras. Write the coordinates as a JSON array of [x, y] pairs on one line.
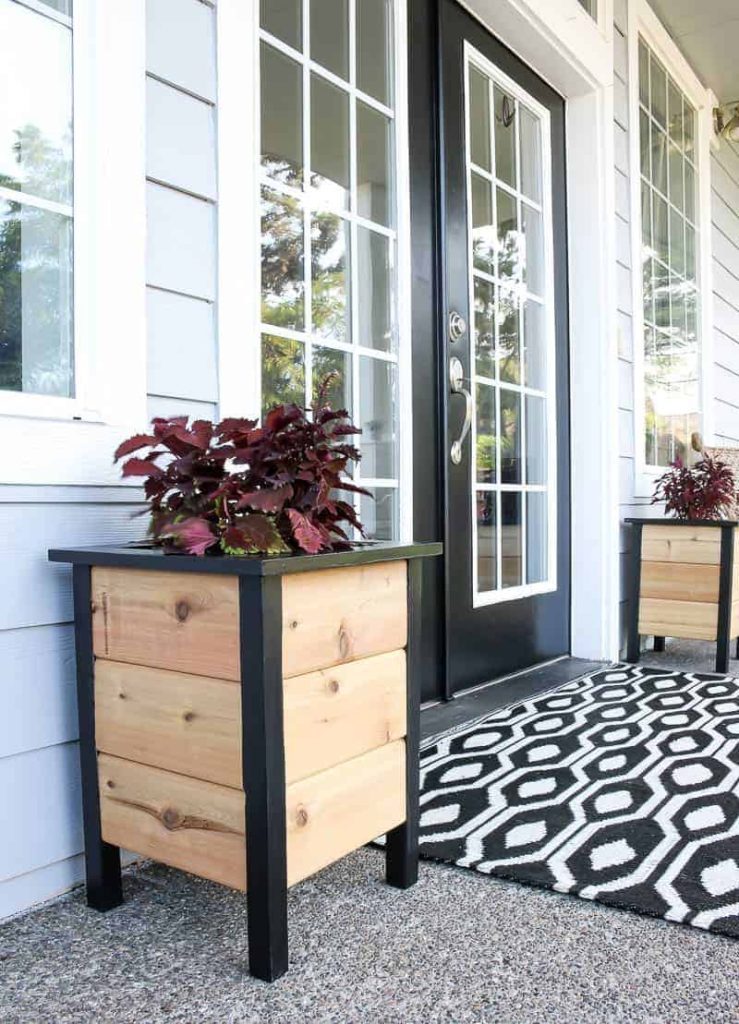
[[685, 583], [250, 720]]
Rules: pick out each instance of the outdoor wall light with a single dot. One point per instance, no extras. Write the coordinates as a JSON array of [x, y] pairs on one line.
[[726, 121]]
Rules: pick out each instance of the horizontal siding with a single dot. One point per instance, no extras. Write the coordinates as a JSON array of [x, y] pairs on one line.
[[40, 813]]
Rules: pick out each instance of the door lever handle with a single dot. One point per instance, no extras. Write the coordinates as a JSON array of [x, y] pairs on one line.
[[456, 383]]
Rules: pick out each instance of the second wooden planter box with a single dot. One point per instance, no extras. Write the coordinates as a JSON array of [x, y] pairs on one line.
[[685, 583], [247, 720]]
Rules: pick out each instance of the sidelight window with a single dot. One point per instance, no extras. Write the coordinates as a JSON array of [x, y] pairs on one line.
[[330, 224]]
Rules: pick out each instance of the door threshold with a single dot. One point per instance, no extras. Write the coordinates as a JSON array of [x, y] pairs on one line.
[[478, 701]]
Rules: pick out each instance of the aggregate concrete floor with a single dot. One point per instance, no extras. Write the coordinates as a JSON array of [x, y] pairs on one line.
[[459, 948]]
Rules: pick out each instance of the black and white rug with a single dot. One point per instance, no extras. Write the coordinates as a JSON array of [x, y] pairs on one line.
[[621, 787]]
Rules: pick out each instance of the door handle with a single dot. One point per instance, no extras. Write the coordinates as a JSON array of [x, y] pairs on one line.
[[456, 383]]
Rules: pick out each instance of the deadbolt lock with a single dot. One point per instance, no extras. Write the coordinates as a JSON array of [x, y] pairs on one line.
[[457, 326]]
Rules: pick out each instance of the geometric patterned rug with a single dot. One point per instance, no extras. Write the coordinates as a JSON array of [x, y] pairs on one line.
[[621, 787]]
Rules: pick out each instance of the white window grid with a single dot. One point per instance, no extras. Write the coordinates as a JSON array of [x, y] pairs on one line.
[[674, 333], [313, 201], [519, 290]]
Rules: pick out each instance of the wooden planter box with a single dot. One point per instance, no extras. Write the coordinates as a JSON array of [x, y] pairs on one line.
[[247, 720], [685, 583]]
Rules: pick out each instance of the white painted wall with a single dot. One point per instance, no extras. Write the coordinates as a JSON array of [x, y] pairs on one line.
[[40, 812], [724, 369]]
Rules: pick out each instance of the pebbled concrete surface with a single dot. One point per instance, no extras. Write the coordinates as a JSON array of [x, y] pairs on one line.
[[689, 656], [459, 948]]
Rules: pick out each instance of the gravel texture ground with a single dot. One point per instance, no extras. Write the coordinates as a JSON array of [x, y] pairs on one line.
[[458, 948]]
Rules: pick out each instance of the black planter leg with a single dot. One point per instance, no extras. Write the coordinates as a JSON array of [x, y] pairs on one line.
[[634, 639], [723, 645], [659, 644], [260, 613], [102, 861], [737, 648], [401, 856]]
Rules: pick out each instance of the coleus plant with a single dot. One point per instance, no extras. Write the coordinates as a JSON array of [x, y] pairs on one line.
[[706, 490], [240, 488]]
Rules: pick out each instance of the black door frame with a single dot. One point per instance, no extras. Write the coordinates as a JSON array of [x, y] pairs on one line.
[[428, 348]]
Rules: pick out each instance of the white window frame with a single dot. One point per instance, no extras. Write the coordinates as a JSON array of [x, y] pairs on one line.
[[482, 598], [239, 287], [54, 440], [644, 23]]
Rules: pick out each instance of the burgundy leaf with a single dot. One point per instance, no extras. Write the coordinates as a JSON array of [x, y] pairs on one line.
[[305, 533], [133, 444], [269, 499], [192, 535], [141, 467]]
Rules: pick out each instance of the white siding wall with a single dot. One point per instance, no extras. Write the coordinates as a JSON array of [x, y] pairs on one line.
[[725, 215], [40, 819]]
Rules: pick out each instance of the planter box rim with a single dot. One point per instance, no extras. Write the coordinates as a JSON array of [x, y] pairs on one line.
[[137, 557], [644, 521]]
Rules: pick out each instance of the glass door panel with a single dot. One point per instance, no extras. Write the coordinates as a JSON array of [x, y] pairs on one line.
[[511, 296]]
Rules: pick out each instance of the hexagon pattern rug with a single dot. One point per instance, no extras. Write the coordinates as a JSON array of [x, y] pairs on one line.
[[621, 787]]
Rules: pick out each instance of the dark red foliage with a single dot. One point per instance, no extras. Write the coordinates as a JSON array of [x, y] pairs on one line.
[[242, 488], [706, 490]]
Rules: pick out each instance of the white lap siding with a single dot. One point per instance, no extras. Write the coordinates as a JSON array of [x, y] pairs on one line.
[[40, 814]]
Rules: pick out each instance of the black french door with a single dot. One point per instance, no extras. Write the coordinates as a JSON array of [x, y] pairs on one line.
[[498, 302]]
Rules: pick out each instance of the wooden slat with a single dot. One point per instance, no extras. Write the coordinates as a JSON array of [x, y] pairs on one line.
[[699, 545], [338, 713], [341, 809], [186, 823], [339, 615], [677, 581], [199, 827], [185, 723], [690, 619], [187, 622], [735, 619]]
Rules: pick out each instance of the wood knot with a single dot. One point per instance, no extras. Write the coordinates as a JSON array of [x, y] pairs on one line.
[[301, 817], [93, 607], [294, 624], [333, 686], [182, 610], [110, 784], [170, 818], [188, 716], [121, 695], [345, 642]]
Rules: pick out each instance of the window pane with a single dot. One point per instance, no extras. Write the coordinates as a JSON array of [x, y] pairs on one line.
[[375, 294], [510, 437], [283, 372], [331, 308], [374, 165], [535, 348], [329, 141], [533, 250], [379, 514], [479, 119], [505, 137], [282, 117], [338, 391], [677, 188], [484, 328], [36, 339], [63, 6], [659, 92], [329, 35], [643, 74], [511, 539], [536, 440], [486, 434], [530, 155], [284, 19], [537, 549], [377, 398], [375, 49], [509, 344], [283, 289], [487, 541], [36, 104], [483, 228], [508, 236]]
